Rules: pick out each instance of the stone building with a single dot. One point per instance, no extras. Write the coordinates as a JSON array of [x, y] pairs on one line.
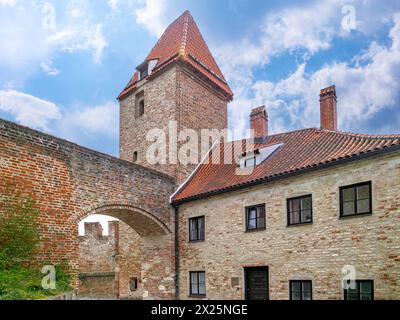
[[312, 213]]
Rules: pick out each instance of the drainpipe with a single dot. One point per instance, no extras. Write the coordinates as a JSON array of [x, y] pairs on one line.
[[176, 207]]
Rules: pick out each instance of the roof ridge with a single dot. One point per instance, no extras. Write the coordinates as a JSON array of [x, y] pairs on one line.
[[182, 40], [364, 135], [186, 15]]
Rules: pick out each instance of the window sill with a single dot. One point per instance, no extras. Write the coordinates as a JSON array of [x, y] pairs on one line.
[[196, 241], [355, 216], [255, 230], [199, 296], [300, 224]]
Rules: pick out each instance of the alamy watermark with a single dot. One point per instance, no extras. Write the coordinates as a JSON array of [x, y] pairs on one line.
[[349, 20], [49, 279], [191, 147]]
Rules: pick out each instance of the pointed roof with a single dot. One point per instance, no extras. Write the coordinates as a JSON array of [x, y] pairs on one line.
[[183, 41], [301, 151]]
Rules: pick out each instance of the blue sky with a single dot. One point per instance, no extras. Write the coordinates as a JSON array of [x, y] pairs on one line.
[[62, 63]]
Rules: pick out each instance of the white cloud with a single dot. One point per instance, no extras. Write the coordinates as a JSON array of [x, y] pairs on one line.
[[364, 88], [113, 4], [79, 124], [90, 121], [302, 31], [29, 110], [8, 3], [31, 36], [49, 69], [151, 14]]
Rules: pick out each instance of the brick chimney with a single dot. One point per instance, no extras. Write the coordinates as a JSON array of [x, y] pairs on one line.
[[328, 100], [259, 122]]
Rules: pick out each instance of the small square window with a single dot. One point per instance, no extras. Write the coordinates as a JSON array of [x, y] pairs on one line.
[[198, 283], [356, 200], [300, 210], [300, 290], [255, 218], [197, 229], [362, 290]]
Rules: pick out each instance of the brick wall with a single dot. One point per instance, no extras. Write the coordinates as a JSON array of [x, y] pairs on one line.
[[175, 94], [316, 252], [71, 182]]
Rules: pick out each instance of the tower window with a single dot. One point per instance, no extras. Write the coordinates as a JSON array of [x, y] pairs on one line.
[[140, 104], [141, 107], [133, 284], [135, 156]]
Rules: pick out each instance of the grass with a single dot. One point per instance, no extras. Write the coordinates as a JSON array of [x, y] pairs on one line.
[[26, 284]]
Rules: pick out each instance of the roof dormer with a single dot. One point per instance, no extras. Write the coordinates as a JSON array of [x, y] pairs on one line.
[[256, 157], [146, 68]]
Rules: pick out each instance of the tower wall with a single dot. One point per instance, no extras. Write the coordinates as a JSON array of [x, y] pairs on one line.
[[160, 108], [175, 95]]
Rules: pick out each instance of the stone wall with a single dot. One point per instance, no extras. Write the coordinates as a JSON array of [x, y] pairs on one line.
[[316, 252], [97, 253], [71, 182], [160, 108], [174, 95], [97, 260]]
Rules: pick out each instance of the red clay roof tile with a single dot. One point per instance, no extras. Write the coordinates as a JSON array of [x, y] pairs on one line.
[[183, 41], [301, 150]]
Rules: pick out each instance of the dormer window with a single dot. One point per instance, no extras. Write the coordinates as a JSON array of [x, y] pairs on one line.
[[146, 68], [250, 161], [254, 158], [143, 72]]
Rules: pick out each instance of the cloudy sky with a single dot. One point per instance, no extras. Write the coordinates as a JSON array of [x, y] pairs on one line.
[[62, 63]]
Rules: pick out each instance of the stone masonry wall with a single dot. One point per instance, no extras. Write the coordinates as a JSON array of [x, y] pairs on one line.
[[175, 95], [97, 252], [71, 182], [201, 107], [316, 252], [160, 108], [130, 262], [97, 260]]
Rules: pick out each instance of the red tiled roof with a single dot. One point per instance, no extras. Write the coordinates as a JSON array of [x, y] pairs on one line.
[[301, 150], [183, 41]]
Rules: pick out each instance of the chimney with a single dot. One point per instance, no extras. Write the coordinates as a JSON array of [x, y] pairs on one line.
[[328, 100], [259, 122]]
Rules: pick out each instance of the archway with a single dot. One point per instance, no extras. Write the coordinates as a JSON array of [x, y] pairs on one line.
[[135, 260]]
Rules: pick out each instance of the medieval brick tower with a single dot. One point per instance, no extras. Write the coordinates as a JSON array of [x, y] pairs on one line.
[[179, 86]]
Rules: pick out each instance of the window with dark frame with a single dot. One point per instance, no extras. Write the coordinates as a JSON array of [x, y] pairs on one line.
[[255, 218], [300, 210], [364, 290], [197, 229], [356, 199], [198, 283], [300, 290], [140, 104]]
